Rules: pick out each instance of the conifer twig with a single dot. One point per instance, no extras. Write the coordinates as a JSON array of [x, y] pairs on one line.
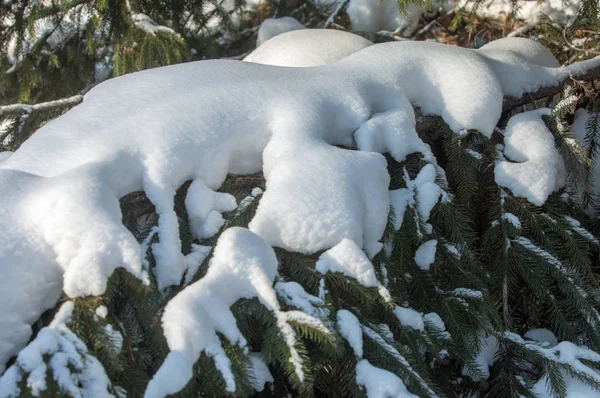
[[16, 109], [341, 6]]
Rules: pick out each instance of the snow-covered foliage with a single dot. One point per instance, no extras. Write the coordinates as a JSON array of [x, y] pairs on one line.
[[60, 217], [58, 352]]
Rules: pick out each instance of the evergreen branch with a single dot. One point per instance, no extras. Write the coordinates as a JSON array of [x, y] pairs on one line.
[[16, 109], [586, 70]]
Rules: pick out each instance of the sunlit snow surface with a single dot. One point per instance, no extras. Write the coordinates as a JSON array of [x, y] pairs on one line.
[[60, 221]]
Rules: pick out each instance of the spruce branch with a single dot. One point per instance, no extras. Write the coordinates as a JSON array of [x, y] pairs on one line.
[[17, 109], [585, 70]]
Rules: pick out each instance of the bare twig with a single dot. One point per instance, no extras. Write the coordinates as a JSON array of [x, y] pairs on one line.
[[16, 109], [522, 30], [341, 6], [574, 47]]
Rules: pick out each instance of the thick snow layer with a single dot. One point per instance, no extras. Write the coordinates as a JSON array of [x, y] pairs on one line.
[[531, 55], [308, 47], [272, 27], [379, 383], [532, 171], [349, 327], [60, 220], [57, 350], [425, 254]]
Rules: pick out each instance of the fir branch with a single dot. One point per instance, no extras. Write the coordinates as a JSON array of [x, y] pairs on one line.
[[17, 109]]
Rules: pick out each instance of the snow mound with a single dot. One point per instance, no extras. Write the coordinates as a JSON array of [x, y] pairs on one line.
[[60, 220], [272, 27], [307, 47], [532, 171]]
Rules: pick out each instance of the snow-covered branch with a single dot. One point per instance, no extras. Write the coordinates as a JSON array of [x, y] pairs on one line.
[[586, 70], [15, 109]]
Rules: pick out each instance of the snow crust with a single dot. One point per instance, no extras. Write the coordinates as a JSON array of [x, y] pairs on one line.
[[307, 47], [379, 383], [272, 27], [60, 220], [533, 169]]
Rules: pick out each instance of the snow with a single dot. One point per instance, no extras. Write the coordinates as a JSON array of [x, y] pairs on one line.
[[204, 207], [194, 259], [243, 266], [436, 321], [272, 27], [541, 335], [425, 254], [513, 220], [259, 371], [148, 25], [583, 119], [531, 11], [485, 358], [5, 155], [349, 328], [60, 219], [532, 171], [347, 258], [410, 318], [422, 191], [379, 383], [576, 226], [102, 311], [308, 47], [294, 295], [58, 350], [567, 355]]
